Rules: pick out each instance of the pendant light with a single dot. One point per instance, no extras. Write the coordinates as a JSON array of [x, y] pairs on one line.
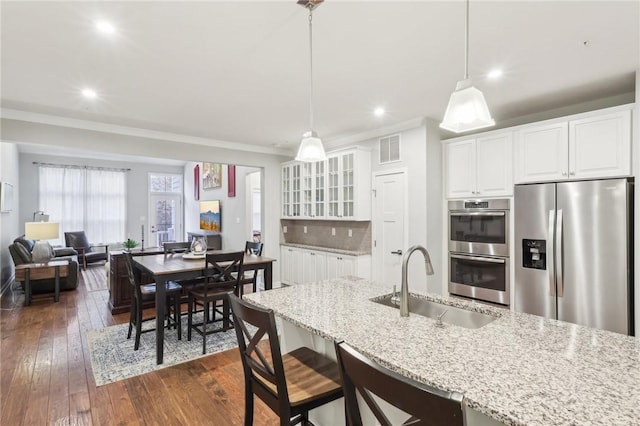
[[467, 109], [311, 148]]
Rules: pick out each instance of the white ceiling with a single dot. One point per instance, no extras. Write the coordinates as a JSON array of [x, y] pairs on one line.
[[238, 71]]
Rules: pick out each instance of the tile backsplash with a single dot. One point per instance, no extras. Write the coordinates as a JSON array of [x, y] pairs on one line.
[[320, 233]]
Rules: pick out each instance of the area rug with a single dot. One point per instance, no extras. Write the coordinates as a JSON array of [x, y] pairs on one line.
[[113, 357], [94, 277]]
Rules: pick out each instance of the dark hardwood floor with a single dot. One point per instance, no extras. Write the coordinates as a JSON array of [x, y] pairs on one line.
[[46, 377]]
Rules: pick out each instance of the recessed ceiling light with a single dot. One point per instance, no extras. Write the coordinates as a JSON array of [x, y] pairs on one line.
[[495, 73], [89, 93], [378, 112], [105, 27]]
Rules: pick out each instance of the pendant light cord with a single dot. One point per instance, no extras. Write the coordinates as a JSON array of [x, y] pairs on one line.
[[310, 70], [466, 43]]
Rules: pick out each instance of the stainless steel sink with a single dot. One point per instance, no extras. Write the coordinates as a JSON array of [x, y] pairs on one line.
[[453, 315]]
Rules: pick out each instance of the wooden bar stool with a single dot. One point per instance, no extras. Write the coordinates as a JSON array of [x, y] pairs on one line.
[[424, 404], [290, 384]]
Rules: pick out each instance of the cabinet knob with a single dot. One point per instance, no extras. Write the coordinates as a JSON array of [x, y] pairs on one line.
[[572, 173], [564, 173]]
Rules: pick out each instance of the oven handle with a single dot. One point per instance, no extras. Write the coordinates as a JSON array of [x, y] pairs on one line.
[[479, 259], [477, 214]]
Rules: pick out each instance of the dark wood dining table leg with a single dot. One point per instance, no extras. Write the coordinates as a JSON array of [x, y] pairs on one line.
[[268, 272], [27, 287], [56, 295], [161, 298]]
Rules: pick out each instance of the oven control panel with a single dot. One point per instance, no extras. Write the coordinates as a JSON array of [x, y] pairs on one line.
[[534, 254]]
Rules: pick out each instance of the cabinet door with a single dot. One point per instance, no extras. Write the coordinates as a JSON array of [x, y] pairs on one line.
[[333, 186], [600, 146], [541, 153], [319, 190], [307, 189], [296, 190], [320, 266], [461, 169], [332, 265], [494, 165], [285, 265], [347, 161], [297, 269], [347, 266], [286, 191]]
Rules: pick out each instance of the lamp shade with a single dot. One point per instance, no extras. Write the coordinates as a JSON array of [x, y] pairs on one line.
[[311, 148], [41, 230], [467, 109]]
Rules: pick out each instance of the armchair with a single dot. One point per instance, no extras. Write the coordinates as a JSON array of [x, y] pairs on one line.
[[20, 251], [78, 240]]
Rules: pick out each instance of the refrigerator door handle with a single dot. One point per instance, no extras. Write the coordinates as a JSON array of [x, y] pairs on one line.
[[558, 247], [551, 258]]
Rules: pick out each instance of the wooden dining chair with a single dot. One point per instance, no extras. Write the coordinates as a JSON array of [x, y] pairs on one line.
[[251, 248], [291, 384], [425, 404], [222, 276], [175, 247], [141, 293]]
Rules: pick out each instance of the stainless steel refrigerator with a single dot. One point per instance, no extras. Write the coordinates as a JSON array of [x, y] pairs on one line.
[[574, 252]]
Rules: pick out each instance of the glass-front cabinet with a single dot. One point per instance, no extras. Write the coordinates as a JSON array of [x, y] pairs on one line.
[[291, 190], [338, 188]]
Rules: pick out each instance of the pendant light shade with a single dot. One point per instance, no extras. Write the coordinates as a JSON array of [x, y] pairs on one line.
[[311, 148], [467, 110]]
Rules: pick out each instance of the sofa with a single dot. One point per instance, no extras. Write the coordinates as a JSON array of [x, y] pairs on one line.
[[21, 249]]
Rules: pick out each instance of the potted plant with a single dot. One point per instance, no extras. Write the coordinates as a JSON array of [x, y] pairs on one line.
[[129, 244]]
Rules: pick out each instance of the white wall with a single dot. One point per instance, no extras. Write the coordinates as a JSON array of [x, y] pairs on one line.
[[233, 209], [10, 227], [156, 147], [421, 157], [137, 187]]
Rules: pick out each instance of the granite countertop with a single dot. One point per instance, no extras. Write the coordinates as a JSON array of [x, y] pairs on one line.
[[328, 249], [519, 369]]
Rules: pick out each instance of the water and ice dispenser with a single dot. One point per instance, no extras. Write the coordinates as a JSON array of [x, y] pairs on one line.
[[534, 254]]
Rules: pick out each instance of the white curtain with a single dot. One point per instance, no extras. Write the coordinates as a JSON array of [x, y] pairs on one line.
[[89, 200]]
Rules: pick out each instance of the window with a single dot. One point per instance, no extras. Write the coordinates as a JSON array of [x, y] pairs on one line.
[[165, 208], [85, 199]]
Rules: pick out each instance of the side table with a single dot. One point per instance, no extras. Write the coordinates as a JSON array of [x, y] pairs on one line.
[[37, 271]]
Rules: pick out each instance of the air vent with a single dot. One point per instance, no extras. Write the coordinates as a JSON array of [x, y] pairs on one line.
[[389, 147]]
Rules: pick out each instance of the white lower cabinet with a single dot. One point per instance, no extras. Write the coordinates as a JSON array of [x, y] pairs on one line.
[[299, 266]]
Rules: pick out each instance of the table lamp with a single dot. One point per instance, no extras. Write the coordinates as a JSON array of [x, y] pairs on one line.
[[41, 232]]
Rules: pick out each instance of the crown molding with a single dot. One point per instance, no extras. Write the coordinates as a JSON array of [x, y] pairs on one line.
[[54, 120]]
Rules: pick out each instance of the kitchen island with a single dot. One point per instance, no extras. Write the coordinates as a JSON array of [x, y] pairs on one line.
[[519, 369]]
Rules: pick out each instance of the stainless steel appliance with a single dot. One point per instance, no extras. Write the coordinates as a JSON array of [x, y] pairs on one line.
[[574, 252], [479, 227], [479, 277], [479, 249]]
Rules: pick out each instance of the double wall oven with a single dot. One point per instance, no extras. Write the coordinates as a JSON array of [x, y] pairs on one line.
[[479, 249]]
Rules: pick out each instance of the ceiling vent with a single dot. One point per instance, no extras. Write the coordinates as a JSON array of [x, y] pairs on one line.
[[389, 148]]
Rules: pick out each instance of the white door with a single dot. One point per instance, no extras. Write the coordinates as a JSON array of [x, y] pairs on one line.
[[389, 231], [165, 219]]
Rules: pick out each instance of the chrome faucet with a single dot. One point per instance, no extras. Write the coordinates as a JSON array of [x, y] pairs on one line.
[[404, 290]]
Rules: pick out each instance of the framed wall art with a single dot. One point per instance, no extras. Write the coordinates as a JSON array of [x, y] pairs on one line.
[[6, 197], [211, 175]]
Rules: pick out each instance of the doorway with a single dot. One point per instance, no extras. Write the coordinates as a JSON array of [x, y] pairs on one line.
[[165, 209], [389, 218]]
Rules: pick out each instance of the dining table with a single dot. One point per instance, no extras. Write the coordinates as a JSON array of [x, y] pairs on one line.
[[175, 267]]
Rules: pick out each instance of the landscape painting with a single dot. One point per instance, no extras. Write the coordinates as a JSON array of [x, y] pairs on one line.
[[210, 218]]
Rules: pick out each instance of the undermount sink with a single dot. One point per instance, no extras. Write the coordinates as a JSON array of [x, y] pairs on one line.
[[453, 315]]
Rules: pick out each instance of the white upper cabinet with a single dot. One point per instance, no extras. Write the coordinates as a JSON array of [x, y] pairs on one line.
[[480, 166], [541, 152], [586, 146], [337, 189], [600, 146]]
